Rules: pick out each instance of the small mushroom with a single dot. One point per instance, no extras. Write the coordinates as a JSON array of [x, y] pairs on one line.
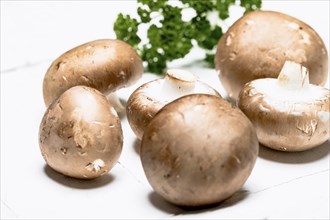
[[80, 134], [198, 150], [106, 65], [146, 101], [289, 113], [257, 45]]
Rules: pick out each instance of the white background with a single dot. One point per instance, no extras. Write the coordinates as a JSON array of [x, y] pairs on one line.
[[282, 185]]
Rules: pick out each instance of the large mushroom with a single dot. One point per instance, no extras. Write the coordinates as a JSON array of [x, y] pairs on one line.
[[289, 113], [198, 150], [257, 45], [80, 134], [106, 65], [149, 98]]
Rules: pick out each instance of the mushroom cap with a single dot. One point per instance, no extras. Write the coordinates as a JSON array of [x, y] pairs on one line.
[[287, 120], [149, 98], [106, 65], [80, 134], [257, 45], [198, 150], [140, 108]]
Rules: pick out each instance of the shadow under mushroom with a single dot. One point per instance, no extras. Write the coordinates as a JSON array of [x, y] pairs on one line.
[[78, 183], [295, 157], [161, 204]]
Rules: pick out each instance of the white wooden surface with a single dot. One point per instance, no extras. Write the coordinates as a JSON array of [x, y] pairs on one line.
[[282, 185]]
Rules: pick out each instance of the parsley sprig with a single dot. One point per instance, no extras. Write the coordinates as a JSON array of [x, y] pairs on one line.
[[172, 37]]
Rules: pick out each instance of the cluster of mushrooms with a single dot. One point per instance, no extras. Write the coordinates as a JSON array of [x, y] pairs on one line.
[[196, 147]]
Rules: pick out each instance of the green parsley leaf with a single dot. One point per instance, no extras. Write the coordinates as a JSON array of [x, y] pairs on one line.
[[223, 8], [144, 15], [126, 29], [201, 7], [250, 5]]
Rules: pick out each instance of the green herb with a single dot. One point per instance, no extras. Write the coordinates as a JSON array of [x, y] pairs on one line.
[[172, 37]]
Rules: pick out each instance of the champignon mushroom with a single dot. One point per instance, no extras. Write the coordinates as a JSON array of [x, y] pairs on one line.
[[106, 65], [146, 100], [289, 114], [198, 150], [80, 134], [257, 45]]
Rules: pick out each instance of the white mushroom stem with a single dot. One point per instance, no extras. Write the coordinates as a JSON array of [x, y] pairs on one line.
[[177, 83], [293, 76], [115, 102], [291, 90]]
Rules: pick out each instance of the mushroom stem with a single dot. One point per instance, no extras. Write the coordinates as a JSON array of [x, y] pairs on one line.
[[115, 102], [293, 76], [178, 83]]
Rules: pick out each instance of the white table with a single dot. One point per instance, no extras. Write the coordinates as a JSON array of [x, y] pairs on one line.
[[282, 185]]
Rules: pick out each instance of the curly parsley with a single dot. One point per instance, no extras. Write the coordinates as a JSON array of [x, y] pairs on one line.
[[172, 38]]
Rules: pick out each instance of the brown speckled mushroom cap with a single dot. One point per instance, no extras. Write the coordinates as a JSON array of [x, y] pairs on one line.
[[257, 45], [198, 150], [80, 134], [289, 114], [106, 65]]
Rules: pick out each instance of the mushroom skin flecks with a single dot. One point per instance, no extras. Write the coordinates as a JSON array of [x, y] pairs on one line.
[[289, 113], [149, 98], [80, 134], [198, 150]]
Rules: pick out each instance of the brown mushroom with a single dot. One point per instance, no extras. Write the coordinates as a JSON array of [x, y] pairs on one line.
[[146, 100], [80, 134], [257, 45], [289, 114], [198, 150], [106, 65]]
